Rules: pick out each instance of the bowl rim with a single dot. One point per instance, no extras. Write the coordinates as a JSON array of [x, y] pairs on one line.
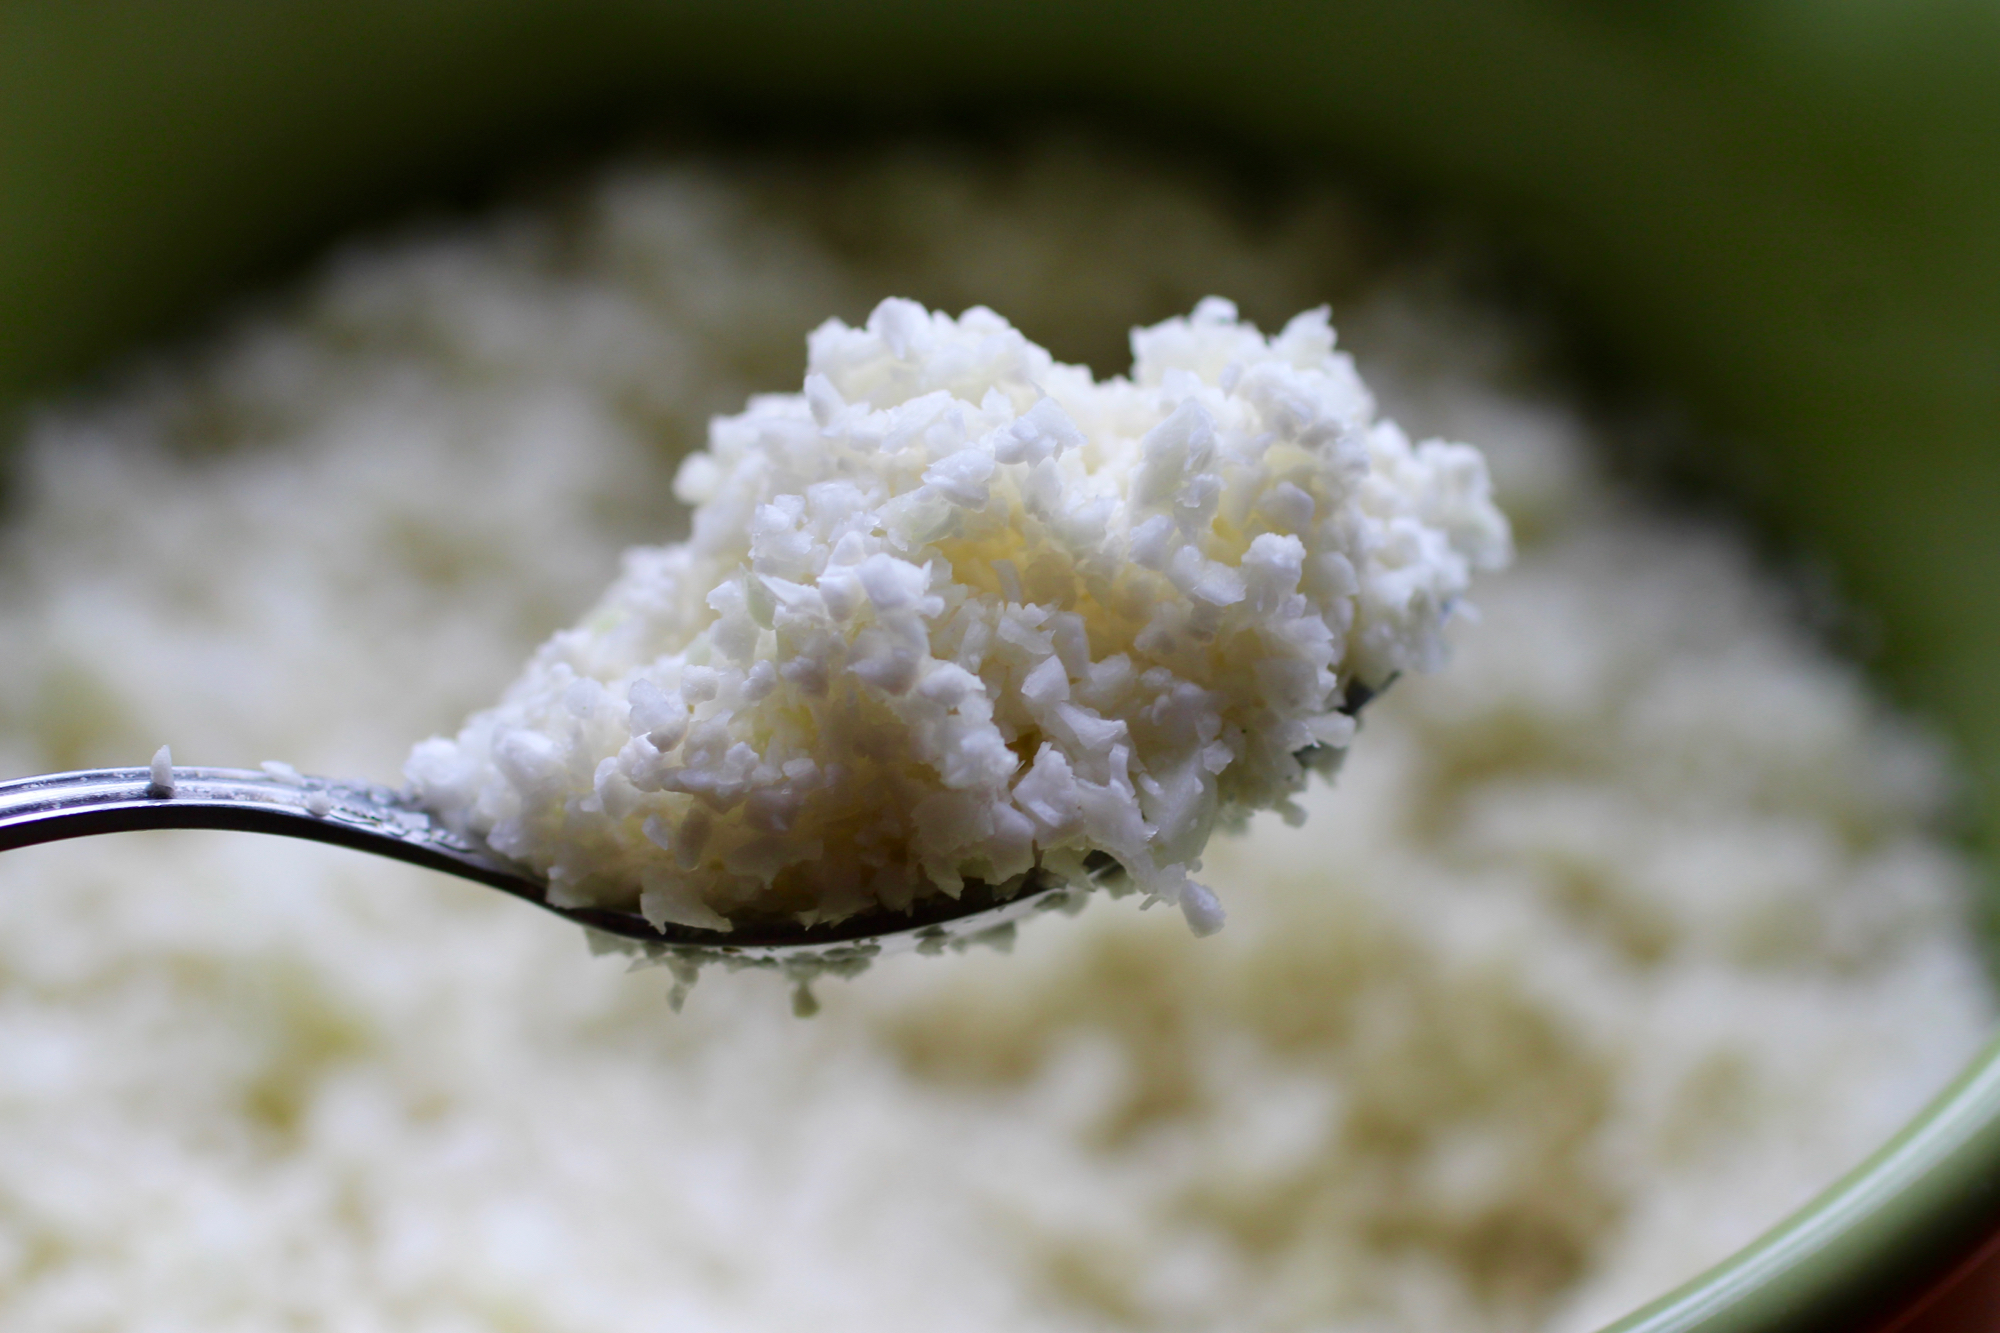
[[1865, 1248]]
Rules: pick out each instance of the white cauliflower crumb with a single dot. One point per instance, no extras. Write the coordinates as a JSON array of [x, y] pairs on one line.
[[160, 780], [959, 611]]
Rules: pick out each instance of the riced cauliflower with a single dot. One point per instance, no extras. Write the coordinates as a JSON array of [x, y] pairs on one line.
[[1472, 1054], [959, 611]]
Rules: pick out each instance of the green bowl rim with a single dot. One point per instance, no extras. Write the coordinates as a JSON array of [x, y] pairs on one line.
[[1869, 1244]]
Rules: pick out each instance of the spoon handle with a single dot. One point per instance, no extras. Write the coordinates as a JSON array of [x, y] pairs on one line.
[[364, 816]]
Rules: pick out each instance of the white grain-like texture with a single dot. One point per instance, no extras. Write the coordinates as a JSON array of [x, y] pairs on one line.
[[1620, 936], [959, 611]]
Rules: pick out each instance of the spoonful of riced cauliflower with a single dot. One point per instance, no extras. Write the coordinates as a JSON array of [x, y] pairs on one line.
[[959, 631]]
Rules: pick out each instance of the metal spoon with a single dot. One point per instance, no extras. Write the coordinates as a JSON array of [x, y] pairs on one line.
[[372, 818]]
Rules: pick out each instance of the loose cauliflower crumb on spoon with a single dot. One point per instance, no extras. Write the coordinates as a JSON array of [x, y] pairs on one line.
[[958, 633]]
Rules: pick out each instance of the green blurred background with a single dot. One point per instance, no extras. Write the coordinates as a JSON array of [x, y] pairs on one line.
[[1785, 211]]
